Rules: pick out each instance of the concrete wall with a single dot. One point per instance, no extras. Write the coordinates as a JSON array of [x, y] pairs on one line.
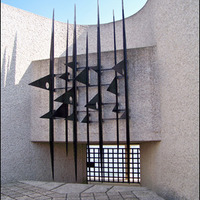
[[26, 37], [143, 99], [169, 167]]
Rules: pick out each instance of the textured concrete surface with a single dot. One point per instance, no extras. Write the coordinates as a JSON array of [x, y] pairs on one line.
[[143, 99], [25, 190], [170, 167], [25, 38]]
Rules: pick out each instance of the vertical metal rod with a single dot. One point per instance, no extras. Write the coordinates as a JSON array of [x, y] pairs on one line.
[[138, 165], [99, 88], [117, 113], [87, 99], [126, 93], [75, 96], [51, 99], [66, 86]]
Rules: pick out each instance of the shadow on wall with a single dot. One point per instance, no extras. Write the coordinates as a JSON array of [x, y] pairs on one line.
[[9, 68], [19, 157]]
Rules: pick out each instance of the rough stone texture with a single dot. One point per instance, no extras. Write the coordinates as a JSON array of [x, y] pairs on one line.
[[26, 190], [169, 167], [143, 99], [25, 37]]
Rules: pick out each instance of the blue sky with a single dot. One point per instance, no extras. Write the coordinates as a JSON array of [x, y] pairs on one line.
[[86, 9]]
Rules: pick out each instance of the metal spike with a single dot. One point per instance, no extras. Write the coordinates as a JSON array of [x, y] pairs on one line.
[[116, 92], [51, 102], [75, 97], [66, 75], [42, 83], [99, 90], [87, 99], [113, 87], [126, 93]]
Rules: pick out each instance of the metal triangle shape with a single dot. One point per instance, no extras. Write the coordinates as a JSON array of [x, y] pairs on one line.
[[62, 111], [119, 67], [123, 115], [42, 82], [64, 76], [95, 68], [67, 97], [85, 120], [93, 102], [82, 77], [113, 87], [48, 115], [115, 109], [70, 64], [71, 117]]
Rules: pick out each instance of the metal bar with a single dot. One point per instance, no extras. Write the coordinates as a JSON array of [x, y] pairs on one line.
[[87, 99], [99, 88], [102, 69], [51, 99], [66, 86], [82, 86], [116, 96], [138, 165], [75, 96], [126, 93], [94, 174]]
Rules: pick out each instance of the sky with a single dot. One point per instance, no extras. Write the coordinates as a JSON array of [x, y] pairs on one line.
[[86, 9]]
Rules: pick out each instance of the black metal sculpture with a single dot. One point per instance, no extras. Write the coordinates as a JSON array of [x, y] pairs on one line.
[[126, 93], [116, 93], [99, 89], [66, 86], [75, 95], [69, 98], [47, 82]]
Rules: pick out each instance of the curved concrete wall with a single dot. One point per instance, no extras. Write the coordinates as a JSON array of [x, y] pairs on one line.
[[169, 167]]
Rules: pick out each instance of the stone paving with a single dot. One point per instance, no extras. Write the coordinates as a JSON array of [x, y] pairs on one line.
[[25, 190]]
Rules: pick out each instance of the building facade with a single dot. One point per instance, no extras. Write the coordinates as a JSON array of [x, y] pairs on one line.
[[162, 46]]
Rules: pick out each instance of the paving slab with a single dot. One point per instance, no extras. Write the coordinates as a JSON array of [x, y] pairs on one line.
[[37, 190], [98, 188], [145, 195], [51, 185], [126, 188], [72, 188], [56, 195], [127, 195], [34, 183], [6, 198]]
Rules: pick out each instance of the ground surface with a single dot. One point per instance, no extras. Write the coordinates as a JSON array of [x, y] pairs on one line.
[[25, 190]]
